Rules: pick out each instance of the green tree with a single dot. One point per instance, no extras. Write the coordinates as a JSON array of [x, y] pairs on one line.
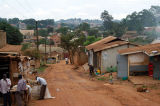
[[84, 27], [13, 21], [42, 41], [63, 30], [155, 10], [46, 23], [3, 19], [29, 21], [107, 20], [90, 40], [30, 27], [13, 35], [118, 29], [137, 21], [25, 46], [93, 32], [72, 43], [43, 32]]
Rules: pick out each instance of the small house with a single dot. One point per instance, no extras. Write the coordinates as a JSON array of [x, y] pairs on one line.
[[9, 59], [56, 38], [102, 54], [142, 60]]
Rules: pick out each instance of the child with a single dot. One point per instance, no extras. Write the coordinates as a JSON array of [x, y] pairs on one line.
[[110, 78]]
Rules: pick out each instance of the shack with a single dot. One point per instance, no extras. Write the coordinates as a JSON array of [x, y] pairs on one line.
[[9, 58], [142, 60], [102, 54]]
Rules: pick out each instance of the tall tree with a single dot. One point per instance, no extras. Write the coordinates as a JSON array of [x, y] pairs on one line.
[[137, 21], [13, 35], [84, 26], [155, 10], [107, 20], [63, 30], [13, 21], [43, 32]]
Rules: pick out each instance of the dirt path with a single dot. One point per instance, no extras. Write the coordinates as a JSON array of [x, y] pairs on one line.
[[72, 89]]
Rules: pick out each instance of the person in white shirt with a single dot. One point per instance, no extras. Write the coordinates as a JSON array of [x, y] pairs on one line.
[[5, 84], [43, 84], [66, 59]]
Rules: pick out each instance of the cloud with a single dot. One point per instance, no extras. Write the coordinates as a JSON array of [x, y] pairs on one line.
[[63, 9]]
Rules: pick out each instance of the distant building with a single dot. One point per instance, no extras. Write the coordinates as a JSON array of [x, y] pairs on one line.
[[22, 26], [56, 38], [51, 51], [14, 25], [28, 35], [156, 41], [129, 35], [150, 29]]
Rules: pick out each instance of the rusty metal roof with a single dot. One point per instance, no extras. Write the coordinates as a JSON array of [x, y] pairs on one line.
[[110, 45], [11, 48], [101, 42], [150, 50]]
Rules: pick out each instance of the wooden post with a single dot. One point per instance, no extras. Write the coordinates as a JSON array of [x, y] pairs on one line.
[[45, 49], [37, 37], [128, 66]]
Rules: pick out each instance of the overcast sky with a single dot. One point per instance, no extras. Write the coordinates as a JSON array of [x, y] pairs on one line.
[[64, 9]]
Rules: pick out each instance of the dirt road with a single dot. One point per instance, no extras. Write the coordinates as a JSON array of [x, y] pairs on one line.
[[73, 88]]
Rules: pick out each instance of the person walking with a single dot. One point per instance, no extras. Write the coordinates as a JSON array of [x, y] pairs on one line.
[[91, 70], [43, 84], [5, 85], [66, 59], [110, 78], [21, 88]]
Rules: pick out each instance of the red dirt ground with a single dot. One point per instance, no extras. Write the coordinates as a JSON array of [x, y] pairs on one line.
[[73, 88]]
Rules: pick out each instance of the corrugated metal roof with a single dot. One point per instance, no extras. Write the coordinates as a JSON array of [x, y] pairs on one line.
[[150, 50], [110, 45], [11, 48], [101, 42]]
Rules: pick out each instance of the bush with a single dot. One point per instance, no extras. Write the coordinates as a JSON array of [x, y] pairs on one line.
[[26, 46], [113, 69], [32, 53]]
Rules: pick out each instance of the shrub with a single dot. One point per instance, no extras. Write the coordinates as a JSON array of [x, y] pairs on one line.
[[113, 69]]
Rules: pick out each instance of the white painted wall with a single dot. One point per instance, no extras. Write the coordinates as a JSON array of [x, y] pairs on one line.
[[109, 57]]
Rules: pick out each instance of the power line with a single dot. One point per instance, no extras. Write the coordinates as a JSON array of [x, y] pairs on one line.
[[28, 3], [16, 10], [24, 7]]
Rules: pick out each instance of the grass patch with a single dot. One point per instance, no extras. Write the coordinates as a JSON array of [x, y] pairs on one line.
[[41, 68]]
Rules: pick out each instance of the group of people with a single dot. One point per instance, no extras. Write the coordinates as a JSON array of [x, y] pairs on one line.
[[22, 87], [5, 85]]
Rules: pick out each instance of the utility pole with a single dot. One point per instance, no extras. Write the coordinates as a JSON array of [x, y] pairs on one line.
[[50, 45], [37, 36], [45, 48]]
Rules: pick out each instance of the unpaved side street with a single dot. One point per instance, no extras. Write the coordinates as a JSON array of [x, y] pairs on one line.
[[72, 88]]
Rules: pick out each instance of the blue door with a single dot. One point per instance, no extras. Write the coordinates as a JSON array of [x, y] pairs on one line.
[[122, 66]]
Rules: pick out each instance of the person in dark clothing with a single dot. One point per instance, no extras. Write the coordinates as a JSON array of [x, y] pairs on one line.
[[91, 70], [5, 84]]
